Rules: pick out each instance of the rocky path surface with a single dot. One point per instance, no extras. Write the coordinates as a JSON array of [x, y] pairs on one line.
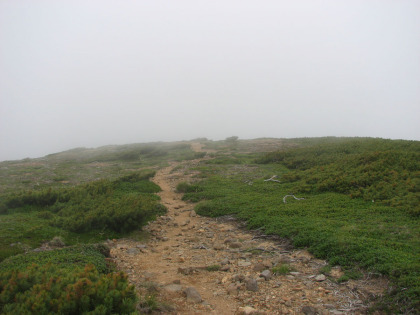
[[199, 265]]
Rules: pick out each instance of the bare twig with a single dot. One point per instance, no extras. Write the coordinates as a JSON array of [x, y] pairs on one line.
[[284, 198], [272, 179]]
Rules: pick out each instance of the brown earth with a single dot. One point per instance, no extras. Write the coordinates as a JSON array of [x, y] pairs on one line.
[[224, 263]]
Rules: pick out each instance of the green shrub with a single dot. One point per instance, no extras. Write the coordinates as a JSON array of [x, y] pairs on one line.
[[121, 205], [66, 258], [384, 171], [52, 290], [184, 187]]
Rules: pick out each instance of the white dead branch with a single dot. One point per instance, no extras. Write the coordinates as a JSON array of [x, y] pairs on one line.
[[284, 198], [272, 179]]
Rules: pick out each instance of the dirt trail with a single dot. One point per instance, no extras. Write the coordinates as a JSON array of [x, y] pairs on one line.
[[228, 266]]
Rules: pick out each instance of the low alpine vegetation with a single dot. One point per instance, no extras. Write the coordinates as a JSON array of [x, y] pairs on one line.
[[104, 208], [360, 207]]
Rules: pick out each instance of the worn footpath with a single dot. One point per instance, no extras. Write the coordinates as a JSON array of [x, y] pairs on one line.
[[199, 265]]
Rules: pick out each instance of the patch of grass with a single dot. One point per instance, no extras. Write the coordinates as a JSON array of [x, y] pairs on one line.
[[325, 270], [281, 269], [213, 268], [350, 274]]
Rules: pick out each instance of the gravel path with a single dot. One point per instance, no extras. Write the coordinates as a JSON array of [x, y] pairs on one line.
[[200, 265]]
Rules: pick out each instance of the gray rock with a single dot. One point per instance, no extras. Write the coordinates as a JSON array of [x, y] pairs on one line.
[[247, 310], [173, 287], [218, 246], [251, 285], [309, 310], [235, 245], [259, 267], [229, 240], [320, 278], [266, 274], [243, 263], [133, 251], [329, 306], [186, 271], [193, 295], [193, 213]]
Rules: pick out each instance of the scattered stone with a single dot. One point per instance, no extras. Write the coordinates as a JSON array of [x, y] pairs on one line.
[[232, 289], [218, 246], [173, 287], [266, 274], [259, 267], [225, 268], [329, 306], [235, 245], [177, 281], [309, 310], [229, 240], [193, 213], [133, 251], [243, 263], [238, 277], [251, 284], [185, 271], [320, 278], [224, 262], [247, 310], [193, 295], [186, 222]]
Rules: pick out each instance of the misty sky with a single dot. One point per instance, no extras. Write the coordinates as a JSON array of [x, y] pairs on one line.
[[92, 73]]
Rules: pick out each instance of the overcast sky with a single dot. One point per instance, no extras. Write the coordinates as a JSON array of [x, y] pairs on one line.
[[92, 73]]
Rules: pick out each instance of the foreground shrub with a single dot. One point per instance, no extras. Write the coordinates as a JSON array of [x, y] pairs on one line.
[[54, 290], [66, 258]]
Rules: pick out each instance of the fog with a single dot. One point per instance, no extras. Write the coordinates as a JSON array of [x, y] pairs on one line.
[[92, 73]]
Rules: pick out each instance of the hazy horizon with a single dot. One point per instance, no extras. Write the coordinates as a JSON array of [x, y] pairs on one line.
[[89, 74]]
